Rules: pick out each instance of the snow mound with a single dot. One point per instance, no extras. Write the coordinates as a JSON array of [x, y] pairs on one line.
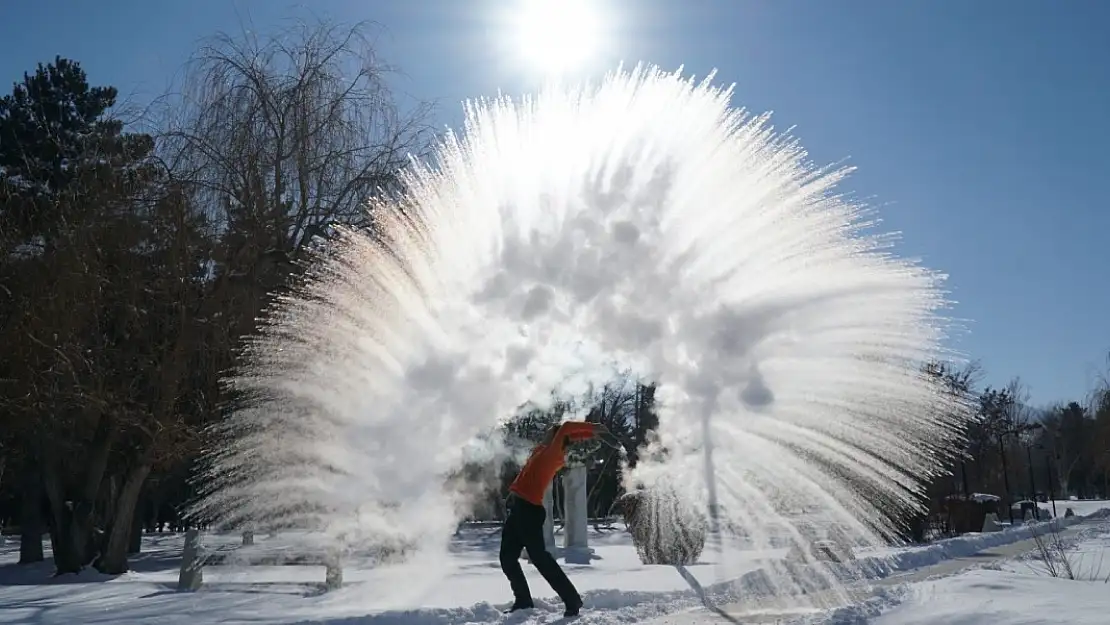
[[984, 596]]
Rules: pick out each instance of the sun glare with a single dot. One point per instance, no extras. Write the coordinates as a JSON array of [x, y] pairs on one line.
[[556, 36]]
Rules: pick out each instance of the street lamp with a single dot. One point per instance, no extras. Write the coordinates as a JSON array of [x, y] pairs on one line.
[[1032, 480], [1048, 473], [1006, 477], [1016, 430]]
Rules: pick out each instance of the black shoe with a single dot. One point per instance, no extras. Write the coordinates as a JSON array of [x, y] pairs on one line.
[[573, 607], [520, 605]]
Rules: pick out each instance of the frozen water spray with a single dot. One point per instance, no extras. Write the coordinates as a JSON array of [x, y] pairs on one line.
[[640, 224]]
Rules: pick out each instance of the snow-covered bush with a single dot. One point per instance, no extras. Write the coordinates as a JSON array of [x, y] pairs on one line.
[[664, 528]]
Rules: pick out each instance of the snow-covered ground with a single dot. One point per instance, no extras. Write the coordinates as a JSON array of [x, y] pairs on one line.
[[1019, 590], [464, 587]]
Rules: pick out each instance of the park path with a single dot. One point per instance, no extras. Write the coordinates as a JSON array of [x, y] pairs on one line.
[[956, 565], [780, 610]]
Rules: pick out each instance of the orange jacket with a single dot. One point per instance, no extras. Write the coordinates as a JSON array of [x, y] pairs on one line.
[[546, 460]]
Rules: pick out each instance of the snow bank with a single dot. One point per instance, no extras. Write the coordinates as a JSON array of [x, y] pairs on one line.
[[991, 597], [1001, 593], [878, 566]]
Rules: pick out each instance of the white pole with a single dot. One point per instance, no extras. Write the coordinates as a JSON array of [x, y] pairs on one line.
[[710, 478], [576, 543], [191, 576]]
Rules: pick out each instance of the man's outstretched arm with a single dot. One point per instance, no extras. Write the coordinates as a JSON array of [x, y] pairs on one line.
[[578, 430]]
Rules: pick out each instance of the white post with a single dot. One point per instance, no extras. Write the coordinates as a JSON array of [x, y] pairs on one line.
[[990, 523], [333, 572], [191, 576], [576, 544]]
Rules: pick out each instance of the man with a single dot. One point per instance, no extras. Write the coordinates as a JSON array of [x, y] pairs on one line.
[[523, 527]]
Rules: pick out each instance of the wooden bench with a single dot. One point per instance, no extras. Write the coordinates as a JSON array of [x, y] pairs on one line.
[[194, 559]]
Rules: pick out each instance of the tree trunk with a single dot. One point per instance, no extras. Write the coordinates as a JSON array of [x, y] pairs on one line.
[[30, 522], [113, 560], [135, 539], [72, 529], [106, 504]]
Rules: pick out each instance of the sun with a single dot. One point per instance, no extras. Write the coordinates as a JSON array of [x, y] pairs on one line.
[[556, 36]]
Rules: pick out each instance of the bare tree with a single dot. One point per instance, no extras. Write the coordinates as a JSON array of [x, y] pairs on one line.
[[277, 139], [1099, 442], [1067, 435], [286, 135], [1017, 411]]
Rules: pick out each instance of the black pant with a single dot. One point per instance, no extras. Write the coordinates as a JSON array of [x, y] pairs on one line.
[[523, 529]]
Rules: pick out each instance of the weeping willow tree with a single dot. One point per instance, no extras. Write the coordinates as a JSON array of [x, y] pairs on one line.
[[287, 135]]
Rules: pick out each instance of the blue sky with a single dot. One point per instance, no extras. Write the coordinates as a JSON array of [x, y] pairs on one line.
[[980, 128]]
